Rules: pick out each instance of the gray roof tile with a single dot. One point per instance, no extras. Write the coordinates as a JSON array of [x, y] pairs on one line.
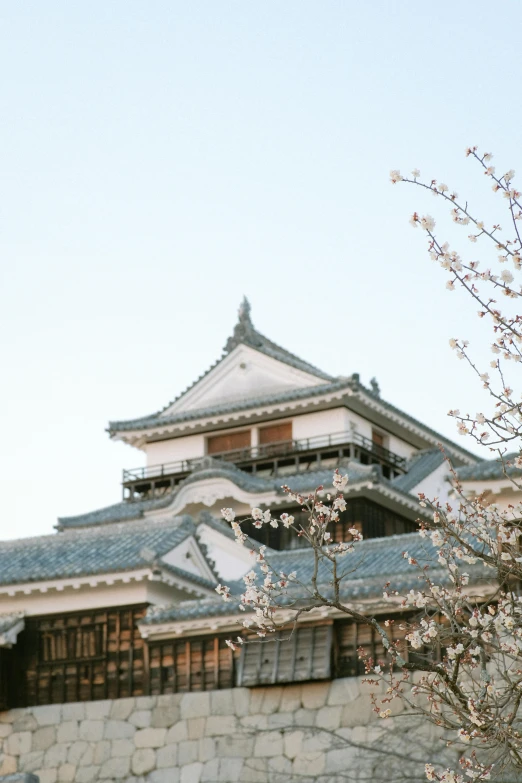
[[490, 469], [418, 468], [114, 548]]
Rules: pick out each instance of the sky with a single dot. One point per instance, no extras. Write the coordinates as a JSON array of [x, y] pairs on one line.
[[160, 160]]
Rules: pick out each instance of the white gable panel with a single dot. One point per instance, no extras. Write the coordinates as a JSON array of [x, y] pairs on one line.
[[244, 374], [188, 556]]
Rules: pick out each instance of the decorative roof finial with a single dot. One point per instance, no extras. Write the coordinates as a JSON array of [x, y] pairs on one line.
[[244, 331], [376, 389], [244, 312]]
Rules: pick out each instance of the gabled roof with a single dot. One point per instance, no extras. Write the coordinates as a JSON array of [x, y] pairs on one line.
[[244, 334], [378, 560], [419, 467], [108, 549], [490, 469]]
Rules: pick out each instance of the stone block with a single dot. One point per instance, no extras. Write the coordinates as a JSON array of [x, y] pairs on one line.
[[25, 722], [187, 752], [115, 769], [122, 747], [196, 728], [166, 775], [210, 771], [74, 711], [191, 773], [291, 698], [314, 695], [304, 717], [11, 715], [168, 699], [338, 760], [293, 741], [280, 765], [240, 745], [357, 713], [329, 718], [164, 716], [255, 771], [230, 769], [98, 710], [91, 730], [241, 698], [257, 696], [102, 752], [76, 751], [143, 761], [20, 777], [31, 761], [271, 700], [167, 756], [67, 731], [87, 760], [47, 775], [141, 718], [178, 732], [122, 708], [195, 705], [8, 764], [312, 764], [66, 773], [255, 722], [220, 724], [206, 749], [315, 741], [5, 730], [149, 738], [56, 755], [146, 702], [43, 738], [50, 715], [18, 743], [280, 720], [269, 743], [222, 702], [118, 729], [86, 774], [343, 691]]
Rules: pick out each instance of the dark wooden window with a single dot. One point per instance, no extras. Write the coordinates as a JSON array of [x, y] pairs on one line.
[[229, 442], [351, 636], [201, 664], [306, 655], [373, 520], [378, 439], [275, 433], [81, 656]]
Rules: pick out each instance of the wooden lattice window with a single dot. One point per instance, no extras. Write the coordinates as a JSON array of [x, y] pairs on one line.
[[81, 656], [306, 655], [275, 433], [229, 442], [201, 664], [351, 636]]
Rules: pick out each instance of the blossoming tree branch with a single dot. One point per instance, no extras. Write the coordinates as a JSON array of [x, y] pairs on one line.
[[452, 646]]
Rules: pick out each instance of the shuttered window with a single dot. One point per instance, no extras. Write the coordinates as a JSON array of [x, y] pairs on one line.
[[351, 636], [304, 656], [229, 442], [202, 664], [275, 433]]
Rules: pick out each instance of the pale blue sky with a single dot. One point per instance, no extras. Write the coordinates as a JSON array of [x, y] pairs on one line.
[[161, 159]]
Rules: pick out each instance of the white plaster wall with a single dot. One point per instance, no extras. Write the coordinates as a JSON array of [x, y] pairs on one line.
[[162, 451], [398, 446], [434, 485], [71, 600]]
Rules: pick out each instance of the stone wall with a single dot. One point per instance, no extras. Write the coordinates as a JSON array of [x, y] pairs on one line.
[[311, 732]]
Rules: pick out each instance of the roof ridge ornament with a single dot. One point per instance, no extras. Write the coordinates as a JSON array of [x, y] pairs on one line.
[[244, 331]]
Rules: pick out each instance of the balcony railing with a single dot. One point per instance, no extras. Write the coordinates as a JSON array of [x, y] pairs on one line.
[[288, 454]]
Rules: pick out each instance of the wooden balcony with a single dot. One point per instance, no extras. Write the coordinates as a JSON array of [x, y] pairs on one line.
[[269, 460]]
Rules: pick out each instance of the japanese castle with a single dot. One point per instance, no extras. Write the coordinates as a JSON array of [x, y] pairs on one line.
[[121, 602]]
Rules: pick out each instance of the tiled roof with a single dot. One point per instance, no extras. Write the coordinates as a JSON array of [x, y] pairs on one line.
[[114, 548], [244, 334], [418, 468], [8, 621], [378, 560], [305, 481], [490, 469]]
